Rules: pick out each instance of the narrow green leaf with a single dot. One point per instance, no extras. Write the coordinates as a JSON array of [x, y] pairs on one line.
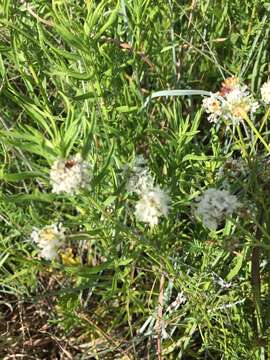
[[98, 178], [15, 177], [238, 261], [109, 22], [37, 196], [87, 145]]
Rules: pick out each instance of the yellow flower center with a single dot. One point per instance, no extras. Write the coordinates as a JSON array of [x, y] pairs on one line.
[[48, 234], [215, 106]]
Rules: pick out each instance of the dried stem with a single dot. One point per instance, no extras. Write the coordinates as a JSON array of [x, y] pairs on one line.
[[193, 5]]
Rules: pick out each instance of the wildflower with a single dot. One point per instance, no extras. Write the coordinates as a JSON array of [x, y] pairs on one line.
[[214, 206], [233, 102], [69, 175], [238, 104], [49, 239], [265, 92], [153, 201], [152, 205], [213, 107], [140, 178]]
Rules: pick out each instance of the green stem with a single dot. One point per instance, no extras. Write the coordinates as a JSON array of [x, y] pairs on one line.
[[242, 141], [251, 125], [264, 119]]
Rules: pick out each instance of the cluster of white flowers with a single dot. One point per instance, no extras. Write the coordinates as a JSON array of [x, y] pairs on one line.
[[152, 205], [232, 170], [69, 175], [214, 206], [153, 201], [49, 239], [233, 102], [212, 105], [265, 92]]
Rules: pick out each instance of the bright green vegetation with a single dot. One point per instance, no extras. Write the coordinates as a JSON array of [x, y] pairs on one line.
[[74, 75]]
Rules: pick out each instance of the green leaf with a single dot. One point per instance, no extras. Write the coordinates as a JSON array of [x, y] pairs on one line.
[[36, 196], [88, 142], [238, 262], [6, 4], [73, 74], [2, 67], [69, 37], [93, 17], [194, 157], [126, 109], [110, 21], [88, 95], [98, 178], [15, 177], [85, 271]]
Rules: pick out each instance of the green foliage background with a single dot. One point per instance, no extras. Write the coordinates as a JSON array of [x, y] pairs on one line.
[[74, 75]]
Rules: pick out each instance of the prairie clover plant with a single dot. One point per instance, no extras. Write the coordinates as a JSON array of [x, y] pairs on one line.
[[97, 75], [70, 175], [153, 202]]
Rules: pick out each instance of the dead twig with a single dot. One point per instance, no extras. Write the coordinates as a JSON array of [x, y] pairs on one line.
[[193, 5]]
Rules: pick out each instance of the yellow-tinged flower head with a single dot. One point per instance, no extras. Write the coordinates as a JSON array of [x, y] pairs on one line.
[[49, 239], [233, 102]]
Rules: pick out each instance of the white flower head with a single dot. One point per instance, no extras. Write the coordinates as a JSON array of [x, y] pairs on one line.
[[152, 205], [214, 206], [213, 107], [233, 102], [49, 239], [69, 175], [238, 104], [265, 92]]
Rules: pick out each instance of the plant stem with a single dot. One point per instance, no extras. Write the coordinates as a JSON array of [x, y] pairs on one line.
[[256, 285], [259, 136]]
